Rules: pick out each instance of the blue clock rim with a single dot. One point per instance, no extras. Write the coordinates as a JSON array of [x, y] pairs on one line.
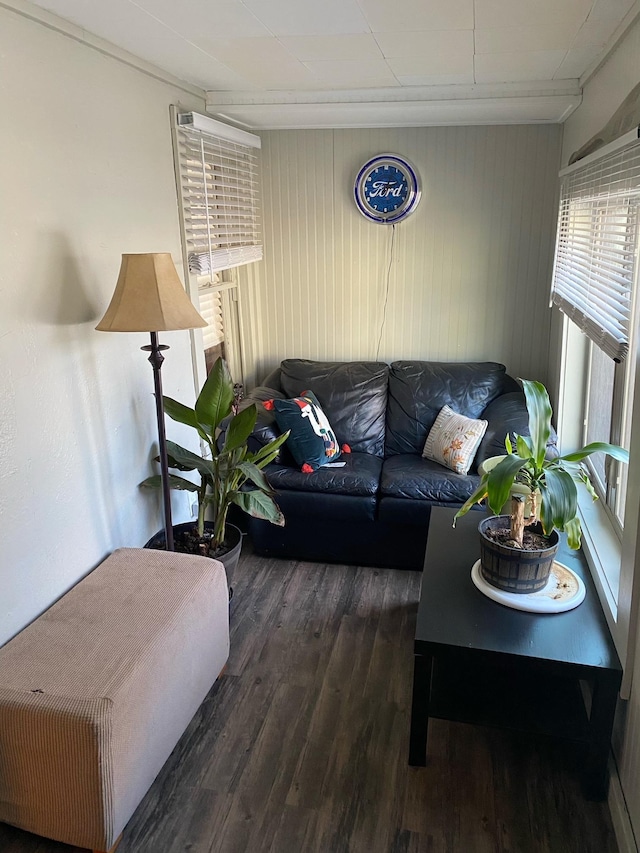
[[414, 190]]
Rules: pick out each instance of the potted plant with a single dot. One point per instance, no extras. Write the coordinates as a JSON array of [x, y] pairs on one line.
[[517, 553], [225, 476]]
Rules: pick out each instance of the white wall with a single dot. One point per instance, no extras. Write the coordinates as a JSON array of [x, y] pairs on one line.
[[470, 272], [86, 173], [601, 97]]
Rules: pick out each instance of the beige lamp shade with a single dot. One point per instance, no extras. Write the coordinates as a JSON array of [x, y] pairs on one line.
[[149, 297]]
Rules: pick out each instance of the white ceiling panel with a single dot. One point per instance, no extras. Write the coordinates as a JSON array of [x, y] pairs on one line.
[[194, 18], [196, 66], [422, 44], [327, 48], [576, 60], [437, 63], [408, 15], [595, 33], [264, 62], [352, 47], [503, 67], [440, 79], [352, 74], [309, 17], [495, 14], [610, 10], [513, 39]]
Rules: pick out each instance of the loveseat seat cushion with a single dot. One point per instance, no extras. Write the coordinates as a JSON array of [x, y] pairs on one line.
[[359, 476], [412, 477], [352, 394], [419, 389]]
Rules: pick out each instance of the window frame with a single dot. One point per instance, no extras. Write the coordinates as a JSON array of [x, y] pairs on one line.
[[611, 549], [610, 552]]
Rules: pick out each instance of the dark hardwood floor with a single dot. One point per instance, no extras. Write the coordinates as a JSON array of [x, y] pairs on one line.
[[302, 745]]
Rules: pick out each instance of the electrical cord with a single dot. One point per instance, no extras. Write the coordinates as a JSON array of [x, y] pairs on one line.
[[386, 292]]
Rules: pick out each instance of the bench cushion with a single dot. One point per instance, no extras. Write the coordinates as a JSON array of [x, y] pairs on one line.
[[96, 692]]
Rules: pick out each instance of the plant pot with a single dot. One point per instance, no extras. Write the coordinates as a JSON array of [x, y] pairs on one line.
[[229, 558], [514, 569]]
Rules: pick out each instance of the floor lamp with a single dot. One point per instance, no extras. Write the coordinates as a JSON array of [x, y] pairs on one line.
[[149, 297]]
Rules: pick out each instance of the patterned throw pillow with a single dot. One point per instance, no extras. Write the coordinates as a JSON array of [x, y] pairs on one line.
[[311, 441], [453, 440]]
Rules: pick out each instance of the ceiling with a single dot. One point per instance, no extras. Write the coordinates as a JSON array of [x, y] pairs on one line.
[[366, 63]]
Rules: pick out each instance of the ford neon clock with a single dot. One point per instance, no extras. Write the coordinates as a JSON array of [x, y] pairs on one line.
[[387, 189]]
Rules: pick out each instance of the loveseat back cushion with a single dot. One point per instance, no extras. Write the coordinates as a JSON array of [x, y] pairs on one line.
[[352, 394], [419, 389], [508, 415]]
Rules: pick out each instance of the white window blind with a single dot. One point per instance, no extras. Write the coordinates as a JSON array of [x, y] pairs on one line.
[[219, 183], [211, 310], [597, 244]]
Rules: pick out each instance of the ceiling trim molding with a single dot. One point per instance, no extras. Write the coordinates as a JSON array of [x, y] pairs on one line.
[[475, 91], [509, 103], [107, 48]]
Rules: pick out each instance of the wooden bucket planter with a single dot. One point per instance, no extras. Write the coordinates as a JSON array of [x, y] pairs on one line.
[[514, 569]]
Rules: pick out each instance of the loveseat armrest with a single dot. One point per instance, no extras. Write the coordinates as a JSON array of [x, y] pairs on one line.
[[507, 415]]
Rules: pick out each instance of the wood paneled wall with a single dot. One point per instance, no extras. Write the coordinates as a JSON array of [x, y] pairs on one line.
[[465, 277]]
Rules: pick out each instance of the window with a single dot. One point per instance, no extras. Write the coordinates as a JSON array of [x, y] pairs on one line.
[[217, 170], [595, 285]]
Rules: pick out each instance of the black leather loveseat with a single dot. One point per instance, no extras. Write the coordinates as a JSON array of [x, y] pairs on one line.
[[375, 510]]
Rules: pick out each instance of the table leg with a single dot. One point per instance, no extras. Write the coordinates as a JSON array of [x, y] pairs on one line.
[[603, 707], [423, 665]]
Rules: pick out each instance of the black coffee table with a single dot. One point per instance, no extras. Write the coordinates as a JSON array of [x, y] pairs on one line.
[[480, 662]]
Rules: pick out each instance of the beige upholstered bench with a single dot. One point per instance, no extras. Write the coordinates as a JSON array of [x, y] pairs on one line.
[[96, 692]]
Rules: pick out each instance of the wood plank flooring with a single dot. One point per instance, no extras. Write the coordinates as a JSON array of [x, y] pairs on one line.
[[301, 746]]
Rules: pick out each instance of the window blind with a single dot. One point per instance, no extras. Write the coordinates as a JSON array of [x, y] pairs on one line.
[[211, 310], [597, 243], [220, 200]]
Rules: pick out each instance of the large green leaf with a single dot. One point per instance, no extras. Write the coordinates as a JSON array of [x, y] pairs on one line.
[[216, 397], [188, 461], [179, 412], [574, 533], [479, 495], [259, 505], [269, 452], [523, 447], [240, 427], [598, 447], [255, 475], [155, 482], [500, 480], [539, 408], [559, 499]]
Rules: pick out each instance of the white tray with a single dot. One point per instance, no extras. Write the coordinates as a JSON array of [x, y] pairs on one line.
[[564, 591]]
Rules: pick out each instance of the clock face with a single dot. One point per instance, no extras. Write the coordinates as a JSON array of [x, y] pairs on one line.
[[387, 189]]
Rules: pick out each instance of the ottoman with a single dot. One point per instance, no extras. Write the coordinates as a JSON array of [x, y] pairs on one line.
[[96, 692]]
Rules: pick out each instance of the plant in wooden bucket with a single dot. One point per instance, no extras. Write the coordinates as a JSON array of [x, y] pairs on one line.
[[517, 553]]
